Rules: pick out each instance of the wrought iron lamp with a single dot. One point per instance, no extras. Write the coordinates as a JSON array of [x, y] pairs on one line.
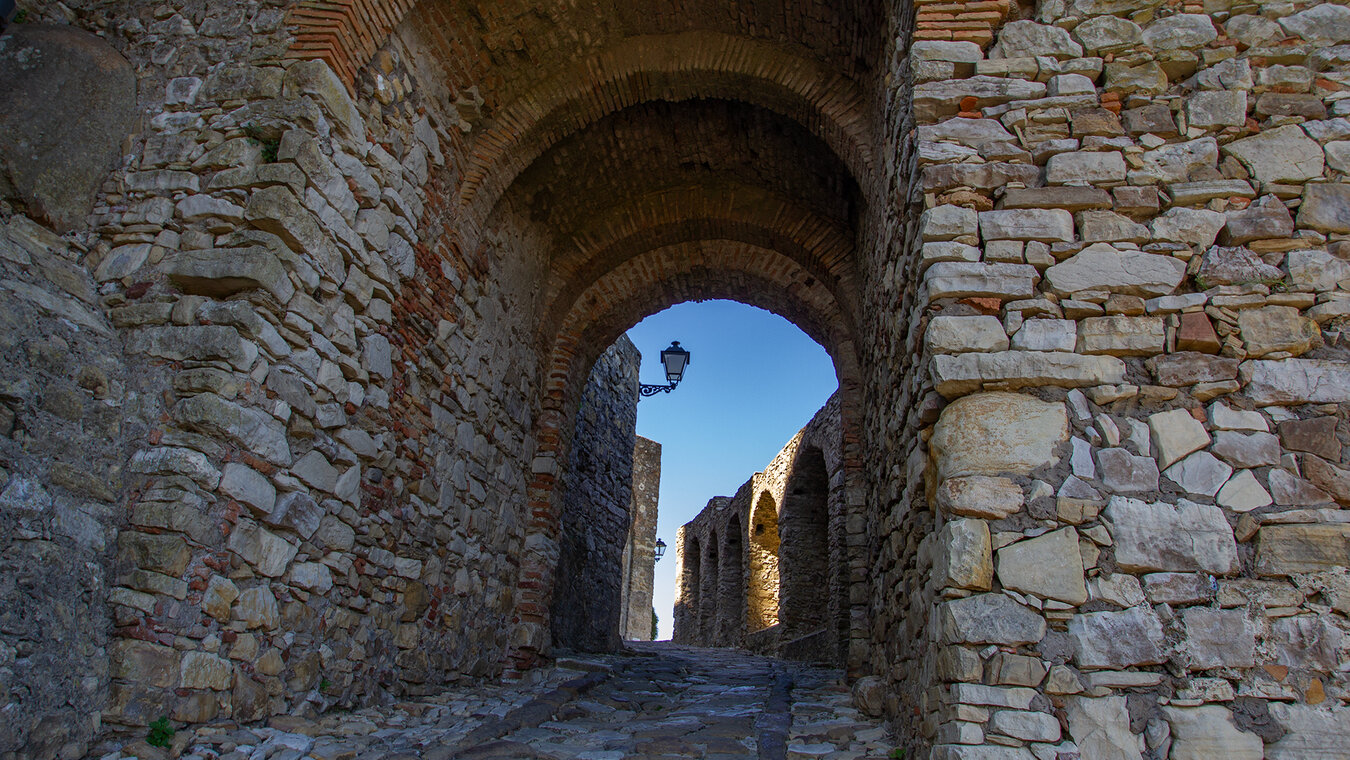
[[660, 550], [675, 360]]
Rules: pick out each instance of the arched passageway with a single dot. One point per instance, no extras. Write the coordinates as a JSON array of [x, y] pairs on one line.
[[805, 605], [763, 590]]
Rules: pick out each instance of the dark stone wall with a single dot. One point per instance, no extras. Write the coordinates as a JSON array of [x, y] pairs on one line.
[[596, 497], [639, 557]]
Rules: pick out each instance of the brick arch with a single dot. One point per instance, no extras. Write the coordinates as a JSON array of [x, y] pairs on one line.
[[681, 66]]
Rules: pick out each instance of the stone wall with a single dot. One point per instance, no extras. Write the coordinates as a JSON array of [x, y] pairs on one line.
[[778, 594], [639, 557], [597, 499]]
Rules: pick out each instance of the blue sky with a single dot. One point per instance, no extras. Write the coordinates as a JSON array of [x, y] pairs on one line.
[[753, 381]]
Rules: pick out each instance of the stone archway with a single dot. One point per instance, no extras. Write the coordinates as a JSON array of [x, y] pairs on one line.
[[763, 591]]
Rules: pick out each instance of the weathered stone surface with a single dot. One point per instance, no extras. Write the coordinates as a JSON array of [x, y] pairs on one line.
[[218, 597], [1184, 31], [1282, 154], [1192, 226], [1027, 726], [1048, 566], [966, 560], [1242, 450], [1101, 728], [964, 373], [223, 272], [1243, 493], [1117, 639], [952, 335], [1110, 227], [1196, 333], [1046, 335], [1315, 436], [948, 223], [1219, 638], [1217, 109], [1046, 225], [1067, 198], [1335, 481], [248, 487], [1085, 168], [1274, 329], [257, 608], [942, 98], [1326, 207], [1323, 23], [1190, 367], [1201, 733], [194, 343], [1028, 39], [1313, 732], [1199, 473], [980, 752], [987, 619], [979, 496], [1267, 218], [1160, 537], [174, 460], [1176, 162], [205, 671], [1296, 381], [1125, 473], [966, 280], [56, 151], [1122, 336], [992, 433], [1288, 549], [266, 551], [1289, 489], [1176, 434], [1316, 270], [1108, 34], [1102, 267], [253, 430], [1312, 642]]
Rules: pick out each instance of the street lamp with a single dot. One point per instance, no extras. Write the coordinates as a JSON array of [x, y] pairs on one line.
[[675, 360], [660, 550]]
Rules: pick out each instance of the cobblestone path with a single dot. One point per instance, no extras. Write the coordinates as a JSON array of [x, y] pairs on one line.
[[658, 701]]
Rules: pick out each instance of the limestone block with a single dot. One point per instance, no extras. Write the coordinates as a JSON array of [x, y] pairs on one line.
[[1282, 154], [1192, 226], [1160, 537], [249, 487], [1200, 473], [1176, 434], [965, 373], [1122, 336], [1184, 368], [1295, 381], [1110, 227], [165, 553], [940, 50], [1085, 168], [1027, 726], [144, 662], [1016, 669], [1125, 473], [1147, 78], [222, 272], [950, 250], [1049, 566], [1313, 732], [205, 671], [966, 560], [979, 752], [313, 576], [1272, 329], [1117, 639], [1028, 39], [954, 335], [219, 595], [948, 223], [275, 209], [202, 343], [935, 99], [297, 511], [1326, 207], [1108, 34], [989, 619], [257, 608], [174, 460], [1184, 31], [1175, 162], [1102, 267], [970, 132], [266, 551], [1327, 24], [1219, 638], [992, 498], [1288, 549], [1267, 218], [1315, 436], [1216, 110], [1046, 225], [1118, 588], [1243, 493], [1101, 728], [1191, 193], [1205, 732], [1068, 198], [1316, 270], [1288, 489], [1234, 266], [315, 78], [1338, 155], [252, 429], [993, 433], [1223, 417], [1046, 335], [314, 470]]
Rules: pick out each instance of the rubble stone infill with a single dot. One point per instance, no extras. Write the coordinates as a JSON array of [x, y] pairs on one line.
[[655, 701]]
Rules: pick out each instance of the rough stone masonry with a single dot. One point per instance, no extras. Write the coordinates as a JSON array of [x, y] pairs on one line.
[[300, 303]]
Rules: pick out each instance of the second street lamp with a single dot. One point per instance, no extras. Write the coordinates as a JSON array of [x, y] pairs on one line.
[[675, 359]]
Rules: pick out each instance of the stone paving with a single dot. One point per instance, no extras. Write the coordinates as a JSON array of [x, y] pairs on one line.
[[652, 702]]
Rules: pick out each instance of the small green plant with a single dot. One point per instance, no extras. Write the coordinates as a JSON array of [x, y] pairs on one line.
[[325, 684], [898, 753], [269, 144], [654, 621], [21, 16], [161, 733]]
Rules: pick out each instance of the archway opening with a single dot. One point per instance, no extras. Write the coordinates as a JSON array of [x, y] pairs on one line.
[[805, 604], [731, 594], [764, 543]]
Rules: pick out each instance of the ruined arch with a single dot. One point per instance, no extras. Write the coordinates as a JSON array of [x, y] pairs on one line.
[[710, 586], [763, 589], [731, 594], [805, 607]]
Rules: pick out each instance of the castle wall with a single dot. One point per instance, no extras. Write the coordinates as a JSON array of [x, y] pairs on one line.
[[639, 558]]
